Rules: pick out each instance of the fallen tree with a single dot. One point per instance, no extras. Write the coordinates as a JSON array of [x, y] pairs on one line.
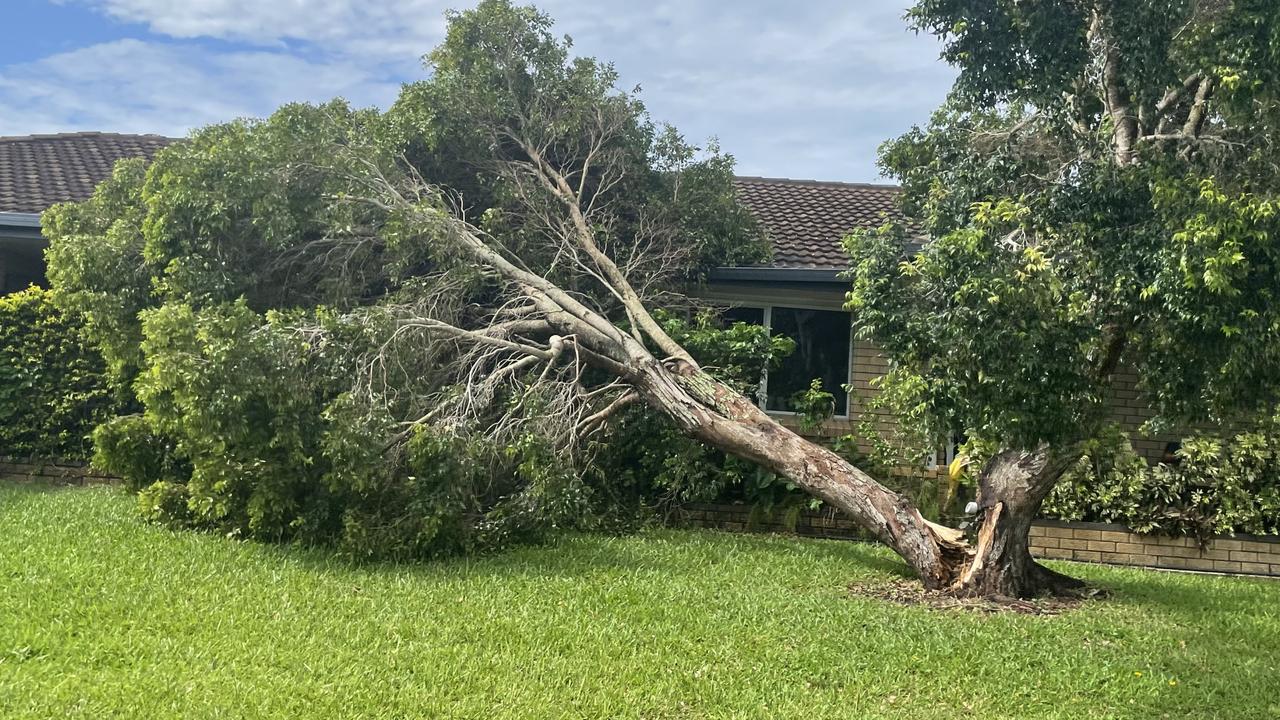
[[530, 312]]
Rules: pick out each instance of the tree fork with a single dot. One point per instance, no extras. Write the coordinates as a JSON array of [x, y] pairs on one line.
[[1011, 488]]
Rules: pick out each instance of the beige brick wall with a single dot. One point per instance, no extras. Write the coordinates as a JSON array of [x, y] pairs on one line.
[[62, 472], [1115, 544], [1085, 542]]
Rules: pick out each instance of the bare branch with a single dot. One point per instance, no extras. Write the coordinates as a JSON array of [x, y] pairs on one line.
[[1170, 98], [595, 421]]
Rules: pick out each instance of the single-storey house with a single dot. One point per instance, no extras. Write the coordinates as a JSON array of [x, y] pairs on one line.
[[799, 293]]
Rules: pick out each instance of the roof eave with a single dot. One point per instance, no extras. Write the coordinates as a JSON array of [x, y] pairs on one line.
[[777, 274], [20, 220]]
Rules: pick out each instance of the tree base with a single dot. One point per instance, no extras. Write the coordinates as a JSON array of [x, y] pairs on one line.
[[1022, 580], [914, 594]]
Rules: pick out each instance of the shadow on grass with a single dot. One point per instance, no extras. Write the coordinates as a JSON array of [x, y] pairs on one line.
[[564, 555], [577, 555], [1189, 595], [869, 554]]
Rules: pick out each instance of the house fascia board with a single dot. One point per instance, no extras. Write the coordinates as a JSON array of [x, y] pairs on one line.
[[21, 232], [777, 274], [20, 220]]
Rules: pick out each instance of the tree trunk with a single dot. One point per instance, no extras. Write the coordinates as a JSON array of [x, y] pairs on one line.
[[1011, 488], [717, 415]]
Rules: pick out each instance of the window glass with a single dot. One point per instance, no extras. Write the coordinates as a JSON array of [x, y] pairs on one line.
[[822, 351], [13, 282], [749, 315]]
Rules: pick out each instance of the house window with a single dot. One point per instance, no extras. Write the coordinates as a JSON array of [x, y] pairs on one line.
[[14, 281], [823, 345]]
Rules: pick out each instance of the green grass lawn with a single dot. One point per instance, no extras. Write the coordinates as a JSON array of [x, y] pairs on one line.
[[103, 616]]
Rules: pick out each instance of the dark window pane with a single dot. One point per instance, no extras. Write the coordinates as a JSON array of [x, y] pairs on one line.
[[748, 315], [13, 282], [822, 351]]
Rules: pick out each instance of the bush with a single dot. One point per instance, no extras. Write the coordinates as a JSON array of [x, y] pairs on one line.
[[1218, 486], [127, 448], [53, 384], [247, 431], [446, 493]]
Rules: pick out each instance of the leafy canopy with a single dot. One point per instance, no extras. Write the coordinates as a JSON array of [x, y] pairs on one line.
[[1101, 193]]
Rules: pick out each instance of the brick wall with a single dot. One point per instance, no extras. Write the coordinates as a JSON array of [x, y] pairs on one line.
[[1130, 411], [1085, 542], [741, 518], [1115, 544], [63, 472]]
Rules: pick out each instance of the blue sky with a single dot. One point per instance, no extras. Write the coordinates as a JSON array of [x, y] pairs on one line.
[[804, 89]]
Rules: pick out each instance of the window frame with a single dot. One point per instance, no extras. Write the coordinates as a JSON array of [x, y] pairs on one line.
[[762, 399]]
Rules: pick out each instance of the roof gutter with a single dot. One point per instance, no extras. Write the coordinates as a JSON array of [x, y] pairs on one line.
[[20, 232], [22, 220], [777, 274]]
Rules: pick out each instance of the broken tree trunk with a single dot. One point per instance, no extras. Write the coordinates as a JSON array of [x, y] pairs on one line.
[[715, 414], [1011, 488]]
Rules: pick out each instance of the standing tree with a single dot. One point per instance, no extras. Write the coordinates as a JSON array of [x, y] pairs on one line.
[[507, 229], [1101, 187]]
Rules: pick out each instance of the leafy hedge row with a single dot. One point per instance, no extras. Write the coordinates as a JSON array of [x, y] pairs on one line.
[[53, 384], [1217, 486], [227, 444]]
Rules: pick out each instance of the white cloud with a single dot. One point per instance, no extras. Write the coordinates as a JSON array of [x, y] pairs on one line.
[[135, 86], [805, 89], [361, 27]]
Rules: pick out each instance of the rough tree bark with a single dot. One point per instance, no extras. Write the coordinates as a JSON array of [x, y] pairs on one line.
[[1011, 488], [717, 415]]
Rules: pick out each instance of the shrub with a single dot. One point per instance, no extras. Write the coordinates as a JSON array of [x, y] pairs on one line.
[[1218, 486], [53, 385], [446, 493], [247, 431], [127, 448], [166, 503]]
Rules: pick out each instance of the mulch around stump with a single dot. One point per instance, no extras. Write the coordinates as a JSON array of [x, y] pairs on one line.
[[912, 593]]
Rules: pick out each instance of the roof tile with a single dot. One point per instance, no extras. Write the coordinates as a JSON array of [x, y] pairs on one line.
[[37, 171], [806, 220]]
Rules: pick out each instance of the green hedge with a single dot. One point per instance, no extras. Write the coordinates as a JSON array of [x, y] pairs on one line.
[[1218, 486], [53, 384]]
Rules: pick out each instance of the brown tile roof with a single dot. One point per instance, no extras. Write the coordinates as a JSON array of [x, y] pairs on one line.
[[37, 171], [805, 220]]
